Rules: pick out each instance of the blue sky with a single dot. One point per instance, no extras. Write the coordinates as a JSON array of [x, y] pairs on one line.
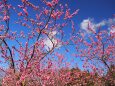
[[96, 11]]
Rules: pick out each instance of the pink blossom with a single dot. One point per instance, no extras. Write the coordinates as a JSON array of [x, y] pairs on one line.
[[25, 11], [1, 37], [49, 4], [46, 12], [20, 14], [54, 15], [6, 18], [55, 1]]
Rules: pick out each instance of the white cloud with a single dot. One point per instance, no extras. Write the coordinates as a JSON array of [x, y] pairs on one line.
[[102, 23], [52, 41], [53, 33], [85, 24]]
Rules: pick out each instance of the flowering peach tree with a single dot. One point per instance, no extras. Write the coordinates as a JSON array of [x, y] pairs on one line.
[[97, 50], [31, 35]]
